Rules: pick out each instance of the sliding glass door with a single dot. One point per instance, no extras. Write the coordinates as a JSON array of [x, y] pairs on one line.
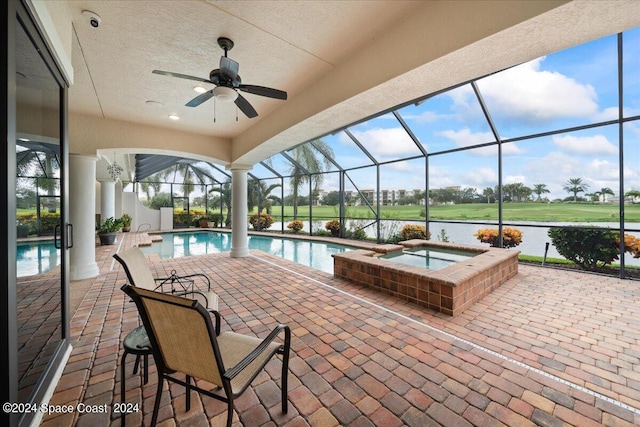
[[34, 295]]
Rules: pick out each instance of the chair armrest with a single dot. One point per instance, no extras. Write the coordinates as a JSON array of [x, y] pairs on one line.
[[186, 281], [284, 348]]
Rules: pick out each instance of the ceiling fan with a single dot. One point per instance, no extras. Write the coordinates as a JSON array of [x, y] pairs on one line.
[[227, 83]]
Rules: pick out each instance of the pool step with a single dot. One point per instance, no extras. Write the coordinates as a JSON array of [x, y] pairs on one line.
[[143, 239]]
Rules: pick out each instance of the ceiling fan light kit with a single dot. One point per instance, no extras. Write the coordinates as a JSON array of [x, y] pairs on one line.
[[225, 94], [227, 83]]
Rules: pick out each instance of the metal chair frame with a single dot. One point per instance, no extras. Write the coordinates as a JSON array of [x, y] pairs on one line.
[[226, 375]]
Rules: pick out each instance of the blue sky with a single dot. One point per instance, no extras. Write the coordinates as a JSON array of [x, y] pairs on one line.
[[574, 87]]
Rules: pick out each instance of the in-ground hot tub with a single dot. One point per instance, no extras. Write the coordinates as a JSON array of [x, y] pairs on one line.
[[467, 275]]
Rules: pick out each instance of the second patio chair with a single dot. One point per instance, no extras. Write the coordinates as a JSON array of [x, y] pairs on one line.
[[184, 340], [139, 274]]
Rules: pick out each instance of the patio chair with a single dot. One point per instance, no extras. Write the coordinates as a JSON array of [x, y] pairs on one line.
[[183, 340], [139, 274]]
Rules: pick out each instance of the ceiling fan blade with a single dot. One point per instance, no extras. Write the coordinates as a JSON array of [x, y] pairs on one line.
[[245, 107], [264, 91], [228, 68], [181, 76], [200, 99]]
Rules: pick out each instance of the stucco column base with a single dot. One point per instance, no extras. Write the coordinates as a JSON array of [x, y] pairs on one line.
[[79, 272]]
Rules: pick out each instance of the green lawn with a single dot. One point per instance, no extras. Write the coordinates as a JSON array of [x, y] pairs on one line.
[[541, 212], [512, 212]]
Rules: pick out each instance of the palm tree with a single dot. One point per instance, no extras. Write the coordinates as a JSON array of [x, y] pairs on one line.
[[259, 192], [225, 195], [149, 184], [591, 196], [539, 190], [488, 193], [43, 166], [633, 194], [575, 186], [603, 192], [312, 157]]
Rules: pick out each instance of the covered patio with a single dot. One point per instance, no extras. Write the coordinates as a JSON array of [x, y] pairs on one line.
[[549, 348]]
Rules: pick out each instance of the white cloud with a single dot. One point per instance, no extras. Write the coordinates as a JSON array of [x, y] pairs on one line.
[[591, 145], [386, 143], [633, 128], [527, 93], [403, 167], [480, 177], [464, 138], [514, 179], [429, 117]]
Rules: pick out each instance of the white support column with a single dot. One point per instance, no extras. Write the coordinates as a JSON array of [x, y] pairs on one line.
[[239, 236], [107, 199], [82, 215]]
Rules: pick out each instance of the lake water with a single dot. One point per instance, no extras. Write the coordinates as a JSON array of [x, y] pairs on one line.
[[534, 239]]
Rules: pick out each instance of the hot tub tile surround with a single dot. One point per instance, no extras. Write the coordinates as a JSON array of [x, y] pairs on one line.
[[450, 290]]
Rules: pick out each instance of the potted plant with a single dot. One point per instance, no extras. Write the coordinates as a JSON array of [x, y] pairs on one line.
[[203, 221], [126, 222], [108, 229]]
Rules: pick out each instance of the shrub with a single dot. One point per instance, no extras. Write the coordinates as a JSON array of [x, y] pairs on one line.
[[511, 237], [357, 234], [182, 218], [22, 230], [261, 222], [333, 226], [410, 231], [631, 245], [48, 222], [591, 249], [295, 225], [394, 239], [216, 219]]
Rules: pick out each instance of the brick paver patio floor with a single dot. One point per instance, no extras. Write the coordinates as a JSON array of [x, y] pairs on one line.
[[548, 348]]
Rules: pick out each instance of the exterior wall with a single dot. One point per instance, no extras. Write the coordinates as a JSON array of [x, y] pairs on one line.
[[140, 213]]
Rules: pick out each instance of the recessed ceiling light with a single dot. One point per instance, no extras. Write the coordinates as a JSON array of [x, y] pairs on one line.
[[154, 103], [200, 89], [174, 117]]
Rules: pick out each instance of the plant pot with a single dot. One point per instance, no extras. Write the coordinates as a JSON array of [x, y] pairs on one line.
[[203, 223], [126, 228], [107, 238]]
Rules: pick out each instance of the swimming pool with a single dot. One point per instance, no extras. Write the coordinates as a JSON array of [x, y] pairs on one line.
[[311, 253], [36, 258]]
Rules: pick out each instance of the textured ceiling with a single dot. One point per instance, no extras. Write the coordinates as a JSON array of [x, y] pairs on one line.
[[284, 45], [339, 62]]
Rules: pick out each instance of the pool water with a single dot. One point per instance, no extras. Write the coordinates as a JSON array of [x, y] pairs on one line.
[[433, 259], [310, 253], [36, 258]]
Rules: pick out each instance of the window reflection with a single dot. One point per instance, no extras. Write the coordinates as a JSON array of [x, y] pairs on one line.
[[39, 295]]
